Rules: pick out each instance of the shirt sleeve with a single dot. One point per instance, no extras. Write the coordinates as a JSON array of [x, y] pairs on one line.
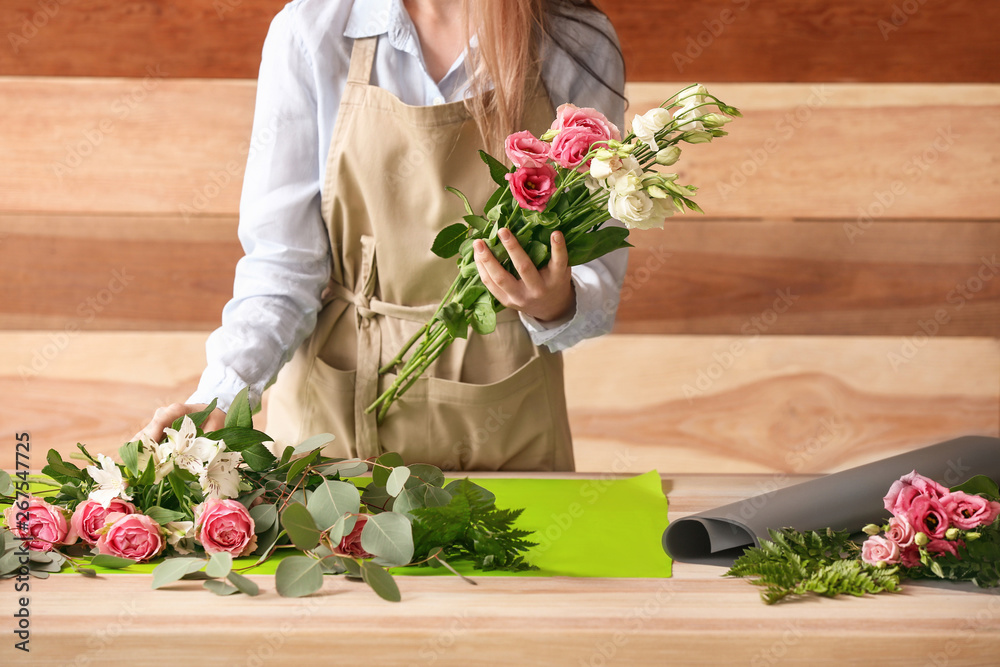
[[277, 287], [597, 283]]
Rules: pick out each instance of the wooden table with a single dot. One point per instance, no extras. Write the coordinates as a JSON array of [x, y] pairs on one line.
[[695, 618]]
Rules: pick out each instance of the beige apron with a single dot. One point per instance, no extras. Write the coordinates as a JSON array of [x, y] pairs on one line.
[[491, 402]]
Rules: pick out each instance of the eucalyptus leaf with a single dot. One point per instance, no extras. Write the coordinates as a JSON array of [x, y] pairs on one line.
[[220, 587], [173, 569], [376, 498], [299, 465], [345, 468], [314, 442], [351, 566], [300, 526], [219, 564], [408, 500], [86, 571], [380, 581], [331, 500], [111, 562], [264, 517], [397, 478], [388, 537], [298, 576], [380, 473], [342, 526], [244, 585], [6, 484], [247, 498]]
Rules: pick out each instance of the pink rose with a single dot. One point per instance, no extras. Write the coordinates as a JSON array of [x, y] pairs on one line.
[[910, 556], [350, 545], [44, 525], [224, 525], [878, 549], [944, 547], [132, 536], [909, 486], [532, 187], [900, 531], [966, 511], [89, 517], [570, 115], [927, 515], [526, 150]]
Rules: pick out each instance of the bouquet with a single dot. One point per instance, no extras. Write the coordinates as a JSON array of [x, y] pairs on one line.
[[573, 179], [201, 500], [933, 532]]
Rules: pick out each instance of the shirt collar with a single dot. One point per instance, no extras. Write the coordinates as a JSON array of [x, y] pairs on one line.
[[371, 18]]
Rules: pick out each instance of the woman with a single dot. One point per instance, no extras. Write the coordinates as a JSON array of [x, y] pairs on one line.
[[373, 108]]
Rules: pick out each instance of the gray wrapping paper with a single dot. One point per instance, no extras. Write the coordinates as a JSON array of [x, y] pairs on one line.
[[846, 500]]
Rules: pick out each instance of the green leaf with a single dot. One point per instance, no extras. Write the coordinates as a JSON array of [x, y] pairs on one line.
[[148, 475], [979, 485], [300, 526], [111, 562], [331, 500], [129, 454], [484, 317], [388, 537], [596, 244], [465, 200], [240, 414], [239, 438], [407, 501], [219, 564], [376, 498], [264, 517], [6, 484], [220, 587], [477, 222], [57, 464], [177, 483], [345, 468], [449, 240], [427, 474], [244, 585], [498, 171], [478, 496], [342, 526], [453, 317], [314, 442], [352, 566], [164, 516], [247, 498], [380, 473], [257, 457], [538, 252], [299, 465], [199, 417], [173, 569], [297, 576], [380, 581], [397, 478]]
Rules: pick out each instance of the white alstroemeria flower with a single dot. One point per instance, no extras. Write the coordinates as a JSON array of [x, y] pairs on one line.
[[163, 464], [187, 450], [180, 535], [220, 478], [110, 482], [648, 124]]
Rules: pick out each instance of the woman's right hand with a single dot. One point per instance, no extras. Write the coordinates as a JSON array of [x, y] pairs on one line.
[[165, 416]]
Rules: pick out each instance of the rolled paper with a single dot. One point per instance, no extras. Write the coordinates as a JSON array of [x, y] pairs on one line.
[[847, 500]]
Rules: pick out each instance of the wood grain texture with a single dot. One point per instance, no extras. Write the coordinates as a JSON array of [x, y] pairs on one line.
[[663, 40], [847, 152], [779, 404], [697, 617], [672, 403]]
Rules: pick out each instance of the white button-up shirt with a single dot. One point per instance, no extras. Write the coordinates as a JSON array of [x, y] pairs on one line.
[[304, 66]]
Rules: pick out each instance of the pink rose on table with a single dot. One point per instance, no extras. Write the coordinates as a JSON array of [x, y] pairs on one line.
[[350, 545], [89, 517], [878, 549], [224, 525], [927, 515], [967, 511], [132, 536], [910, 486], [526, 150], [900, 531], [532, 187], [46, 525]]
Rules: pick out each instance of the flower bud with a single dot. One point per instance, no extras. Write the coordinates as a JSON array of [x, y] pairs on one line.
[[549, 135], [872, 529], [951, 534], [668, 156], [921, 539], [656, 192], [971, 537], [697, 137], [716, 132], [713, 120]]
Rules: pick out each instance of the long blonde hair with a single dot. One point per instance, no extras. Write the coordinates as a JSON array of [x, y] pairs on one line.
[[508, 33]]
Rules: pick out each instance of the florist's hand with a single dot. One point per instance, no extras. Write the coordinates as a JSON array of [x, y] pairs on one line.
[[165, 416], [546, 295]]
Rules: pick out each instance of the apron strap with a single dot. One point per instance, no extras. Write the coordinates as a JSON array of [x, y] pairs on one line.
[[362, 59]]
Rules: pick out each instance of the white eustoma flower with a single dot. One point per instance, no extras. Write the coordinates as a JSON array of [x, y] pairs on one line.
[[110, 482], [690, 100], [220, 478], [187, 450], [648, 124]]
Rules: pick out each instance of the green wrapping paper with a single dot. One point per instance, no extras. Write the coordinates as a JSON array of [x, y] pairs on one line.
[[584, 528]]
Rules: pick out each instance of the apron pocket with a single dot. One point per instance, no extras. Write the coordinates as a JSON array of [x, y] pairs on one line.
[[504, 425], [331, 408]]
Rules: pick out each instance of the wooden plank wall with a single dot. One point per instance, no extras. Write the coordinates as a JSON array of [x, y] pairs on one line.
[[836, 304]]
